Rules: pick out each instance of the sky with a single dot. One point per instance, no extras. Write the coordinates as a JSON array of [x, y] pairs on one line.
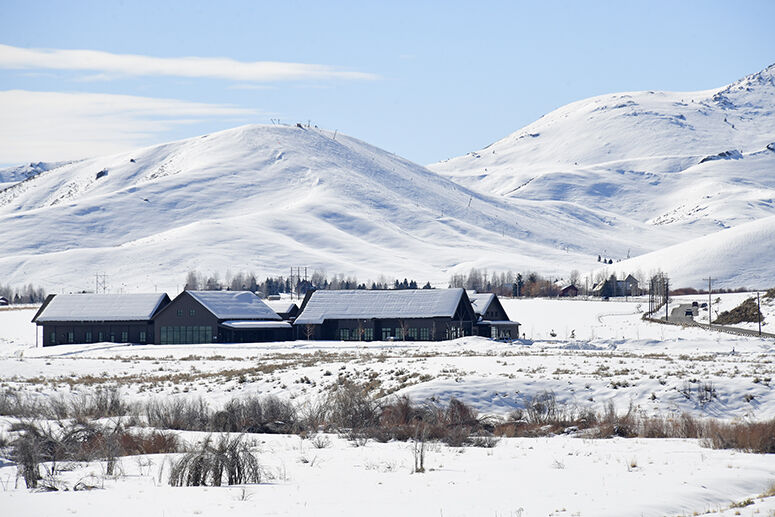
[[425, 80]]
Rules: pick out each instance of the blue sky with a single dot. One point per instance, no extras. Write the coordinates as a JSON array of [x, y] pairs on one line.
[[426, 80]]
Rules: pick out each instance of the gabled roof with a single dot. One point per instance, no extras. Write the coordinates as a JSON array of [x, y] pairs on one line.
[[393, 304], [481, 301], [234, 305], [101, 307]]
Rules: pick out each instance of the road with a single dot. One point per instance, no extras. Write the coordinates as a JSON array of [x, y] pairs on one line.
[[678, 317]]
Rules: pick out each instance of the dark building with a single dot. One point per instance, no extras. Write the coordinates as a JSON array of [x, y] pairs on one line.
[[3, 301], [385, 315], [219, 317], [492, 320], [95, 318], [569, 291]]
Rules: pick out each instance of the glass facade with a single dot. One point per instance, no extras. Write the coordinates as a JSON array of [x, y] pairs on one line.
[[179, 335]]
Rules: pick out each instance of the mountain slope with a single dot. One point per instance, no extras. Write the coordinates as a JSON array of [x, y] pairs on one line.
[[265, 198], [687, 164]]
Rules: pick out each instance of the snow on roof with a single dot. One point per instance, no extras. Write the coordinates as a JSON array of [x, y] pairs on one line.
[[234, 305], [247, 324], [498, 323], [363, 304], [101, 307], [481, 301], [280, 306]]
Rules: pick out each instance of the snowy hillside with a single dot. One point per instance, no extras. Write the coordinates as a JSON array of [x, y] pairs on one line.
[[650, 175], [263, 198], [690, 164]]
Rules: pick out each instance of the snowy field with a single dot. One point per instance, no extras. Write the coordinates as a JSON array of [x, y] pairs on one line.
[[601, 353]]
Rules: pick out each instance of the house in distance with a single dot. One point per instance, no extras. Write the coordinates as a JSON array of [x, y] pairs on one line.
[[94, 318]]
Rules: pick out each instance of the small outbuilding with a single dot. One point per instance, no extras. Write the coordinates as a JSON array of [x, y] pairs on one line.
[[95, 318], [569, 291], [385, 315], [3, 301], [492, 320], [219, 317]]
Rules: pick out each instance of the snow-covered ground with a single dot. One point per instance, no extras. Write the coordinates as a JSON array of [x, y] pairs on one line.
[[614, 357], [520, 477]]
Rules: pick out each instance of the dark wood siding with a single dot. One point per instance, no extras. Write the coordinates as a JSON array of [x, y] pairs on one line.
[[62, 333], [185, 315]]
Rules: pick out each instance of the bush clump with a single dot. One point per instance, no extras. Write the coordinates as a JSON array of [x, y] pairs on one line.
[[227, 460]]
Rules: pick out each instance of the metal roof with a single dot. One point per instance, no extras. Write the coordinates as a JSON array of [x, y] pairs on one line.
[[393, 304], [101, 307], [481, 301], [234, 305], [281, 306]]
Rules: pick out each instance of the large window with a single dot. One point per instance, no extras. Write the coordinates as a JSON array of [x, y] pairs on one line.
[[344, 334], [412, 333], [385, 334], [368, 334], [71, 337], [142, 337], [100, 336], [179, 335], [87, 336], [124, 336], [53, 338], [425, 334]]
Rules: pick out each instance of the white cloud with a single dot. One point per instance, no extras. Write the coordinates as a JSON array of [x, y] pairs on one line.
[[49, 126], [110, 65]]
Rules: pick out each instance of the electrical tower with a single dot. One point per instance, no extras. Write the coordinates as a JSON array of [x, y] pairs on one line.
[[100, 283]]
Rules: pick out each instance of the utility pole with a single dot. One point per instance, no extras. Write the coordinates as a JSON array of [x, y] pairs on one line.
[[759, 306], [709, 279], [667, 299]]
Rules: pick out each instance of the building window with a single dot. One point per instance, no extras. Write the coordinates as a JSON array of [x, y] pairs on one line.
[[412, 334], [185, 335], [344, 334], [70, 337], [385, 334], [124, 337], [87, 336], [142, 336], [180, 313], [368, 334], [53, 338], [425, 334], [192, 312], [399, 333], [100, 336]]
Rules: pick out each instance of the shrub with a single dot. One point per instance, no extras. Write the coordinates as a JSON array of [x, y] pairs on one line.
[[227, 460]]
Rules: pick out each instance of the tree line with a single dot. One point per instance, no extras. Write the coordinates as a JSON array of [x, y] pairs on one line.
[[273, 285], [24, 294]]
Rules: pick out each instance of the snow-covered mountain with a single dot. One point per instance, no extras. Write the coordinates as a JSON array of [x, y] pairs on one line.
[[264, 198], [652, 175], [689, 164]]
